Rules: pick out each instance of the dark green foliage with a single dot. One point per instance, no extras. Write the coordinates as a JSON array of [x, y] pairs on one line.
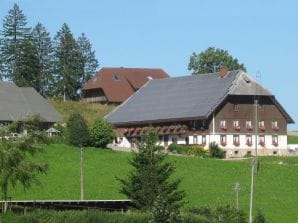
[[78, 133], [187, 149], [260, 217], [27, 66], [221, 214], [67, 64], [101, 133], [89, 62], [211, 60], [13, 33], [42, 41], [149, 182], [228, 214], [16, 163], [215, 151]]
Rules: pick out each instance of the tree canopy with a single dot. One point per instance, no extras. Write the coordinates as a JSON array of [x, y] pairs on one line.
[[211, 60]]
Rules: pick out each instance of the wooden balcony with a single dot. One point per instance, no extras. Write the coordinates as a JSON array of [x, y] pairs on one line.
[[94, 99]]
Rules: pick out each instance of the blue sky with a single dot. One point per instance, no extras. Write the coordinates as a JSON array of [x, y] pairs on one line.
[[262, 34]]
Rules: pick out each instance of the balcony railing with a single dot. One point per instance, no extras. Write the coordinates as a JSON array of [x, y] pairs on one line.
[[94, 99]]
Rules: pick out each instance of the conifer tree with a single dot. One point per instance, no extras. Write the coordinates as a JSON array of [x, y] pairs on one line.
[[27, 66], [66, 64], [43, 44], [148, 184], [89, 63], [13, 33], [78, 132]]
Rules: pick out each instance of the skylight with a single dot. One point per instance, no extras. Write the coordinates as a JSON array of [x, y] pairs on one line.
[[116, 77]]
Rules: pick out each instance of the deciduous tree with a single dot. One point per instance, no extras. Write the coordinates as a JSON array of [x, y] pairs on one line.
[[16, 163], [101, 133], [211, 60]]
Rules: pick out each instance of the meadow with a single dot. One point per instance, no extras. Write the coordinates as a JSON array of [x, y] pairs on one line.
[[207, 182]]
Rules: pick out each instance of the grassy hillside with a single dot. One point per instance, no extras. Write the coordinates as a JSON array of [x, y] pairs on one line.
[[90, 112], [206, 181]]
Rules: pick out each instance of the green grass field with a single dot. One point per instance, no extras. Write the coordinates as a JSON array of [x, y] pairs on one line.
[[206, 181], [292, 139], [91, 112]]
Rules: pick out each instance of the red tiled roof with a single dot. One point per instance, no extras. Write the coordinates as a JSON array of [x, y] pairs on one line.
[[129, 80]]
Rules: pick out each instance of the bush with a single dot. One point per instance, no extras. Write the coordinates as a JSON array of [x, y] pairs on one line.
[[101, 133], [78, 134], [215, 151], [259, 218], [187, 149]]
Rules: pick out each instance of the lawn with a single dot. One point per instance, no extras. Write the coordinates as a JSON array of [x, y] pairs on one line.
[[292, 139], [206, 181]]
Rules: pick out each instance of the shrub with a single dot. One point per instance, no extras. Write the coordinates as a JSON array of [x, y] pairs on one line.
[[259, 218], [187, 149], [215, 151], [177, 148], [78, 134], [101, 133]]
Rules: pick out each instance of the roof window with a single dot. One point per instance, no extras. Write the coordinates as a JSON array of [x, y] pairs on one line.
[[116, 77], [149, 78]]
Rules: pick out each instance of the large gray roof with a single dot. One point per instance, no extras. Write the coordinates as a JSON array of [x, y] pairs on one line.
[[17, 104], [183, 97]]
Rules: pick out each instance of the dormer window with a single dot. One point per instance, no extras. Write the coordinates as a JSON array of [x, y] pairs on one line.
[[116, 77]]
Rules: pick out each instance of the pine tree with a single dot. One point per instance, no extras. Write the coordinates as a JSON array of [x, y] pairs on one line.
[[13, 33], [78, 132], [27, 66], [66, 64], [148, 184], [89, 62], [43, 44]]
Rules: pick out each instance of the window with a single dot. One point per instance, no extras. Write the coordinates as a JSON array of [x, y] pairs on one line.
[[274, 125], [149, 78], [236, 107], [203, 139], [275, 140], [262, 125], [236, 125], [223, 140], [262, 140], [236, 140], [249, 140], [174, 140], [195, 139], [116, 77], [223, 125], [248, 125]]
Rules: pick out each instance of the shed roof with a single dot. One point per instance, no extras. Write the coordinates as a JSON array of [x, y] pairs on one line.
[[18, 103], [120, 83], [187, 97]]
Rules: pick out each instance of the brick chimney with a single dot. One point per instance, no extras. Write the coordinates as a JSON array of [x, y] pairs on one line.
[[223, 72]]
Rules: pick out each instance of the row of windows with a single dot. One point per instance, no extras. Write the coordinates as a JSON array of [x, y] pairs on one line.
[[236, 107], [248, 125], [248, 140]]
